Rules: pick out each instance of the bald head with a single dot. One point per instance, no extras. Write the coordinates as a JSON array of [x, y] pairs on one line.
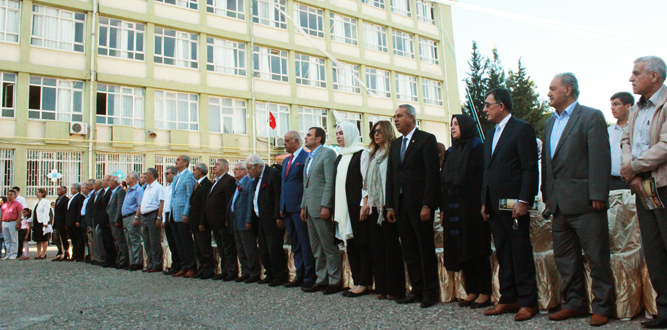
[[292, 141]]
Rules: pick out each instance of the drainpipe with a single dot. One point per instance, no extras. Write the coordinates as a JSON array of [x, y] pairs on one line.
[[92, 81]]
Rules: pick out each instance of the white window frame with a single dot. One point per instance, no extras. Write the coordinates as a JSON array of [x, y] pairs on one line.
[[225, 56], [425, 11], [432, 90], [272, 16], [310, 70], [401, 7], [59, 20], [39, 163], [124, 113], [312, 117], [347, 73], [222, 110], [110, 163], [373, 119], [130, 39], [379, 37], [8, 95], [343, 29], [185, 52], [169, 118], [10, 21], [162, 162], [188, 4], [263, 64], [428, 51], [221, 8], [374, 3], [406, 88], [374, 77], [6, 169], [63, 90], [407, 48], [356, 119], [313, 16], [280, 111]]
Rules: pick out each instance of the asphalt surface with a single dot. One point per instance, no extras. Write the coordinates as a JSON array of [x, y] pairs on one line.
[[40, 294]]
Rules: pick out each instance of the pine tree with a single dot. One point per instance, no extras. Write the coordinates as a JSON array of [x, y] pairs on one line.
[[476, 87], [525, 99], [496, 75]]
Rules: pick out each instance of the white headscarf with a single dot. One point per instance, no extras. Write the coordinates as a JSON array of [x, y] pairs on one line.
[[351, 137], [342, 214]]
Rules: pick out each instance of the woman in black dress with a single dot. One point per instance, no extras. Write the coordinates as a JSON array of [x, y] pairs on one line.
[[40, 220], [467, 238]]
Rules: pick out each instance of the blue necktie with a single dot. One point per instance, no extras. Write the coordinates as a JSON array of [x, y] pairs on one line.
[[403, 147]]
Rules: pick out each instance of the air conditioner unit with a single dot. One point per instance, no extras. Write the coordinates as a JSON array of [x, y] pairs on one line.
[[78, 128], [278, 141]]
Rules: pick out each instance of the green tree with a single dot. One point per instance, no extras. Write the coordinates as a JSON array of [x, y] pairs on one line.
[[526, 100], [496, 72], [476, 84]]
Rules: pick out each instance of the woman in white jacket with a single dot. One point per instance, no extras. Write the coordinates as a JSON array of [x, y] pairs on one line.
[[40, 221]]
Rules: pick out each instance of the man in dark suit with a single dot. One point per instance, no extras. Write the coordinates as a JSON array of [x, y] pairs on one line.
[[101, 221], [290, 209], [73, 214], [576, 162], [87, 222], [215, 219], [412, 197], [203, 248], [510, 172], [266, 213], [60, 224], [114, 210]]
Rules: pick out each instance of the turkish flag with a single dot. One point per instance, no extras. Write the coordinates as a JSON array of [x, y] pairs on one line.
[[272, 121]]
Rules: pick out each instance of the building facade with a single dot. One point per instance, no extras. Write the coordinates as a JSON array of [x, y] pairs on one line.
[[93, 87]]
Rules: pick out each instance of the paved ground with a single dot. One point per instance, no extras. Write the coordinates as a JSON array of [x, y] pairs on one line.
[[40, 294]]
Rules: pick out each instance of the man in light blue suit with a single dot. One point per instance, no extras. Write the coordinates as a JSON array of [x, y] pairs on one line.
[[239, 214], [184, 185]]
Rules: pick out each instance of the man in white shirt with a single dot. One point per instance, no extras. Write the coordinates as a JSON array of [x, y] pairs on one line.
[[620, 109], [20, 198], [168, 224], [150, 212]]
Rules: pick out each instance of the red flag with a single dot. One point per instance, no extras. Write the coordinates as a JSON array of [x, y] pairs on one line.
[[272, 121]]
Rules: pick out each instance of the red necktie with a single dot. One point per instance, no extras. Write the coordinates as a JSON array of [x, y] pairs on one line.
[[196, 185], [289, 164]]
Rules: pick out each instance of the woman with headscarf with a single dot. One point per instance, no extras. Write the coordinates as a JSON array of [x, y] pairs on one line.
[[467, 238], [350, 172]]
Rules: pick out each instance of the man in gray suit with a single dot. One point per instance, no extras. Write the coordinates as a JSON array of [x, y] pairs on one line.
[[116, 222], [576, 162], [316, 210], [239, 214]]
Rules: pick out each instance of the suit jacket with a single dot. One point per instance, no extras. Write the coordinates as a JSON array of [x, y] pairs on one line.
[[292, 184], [268, 200], [243, 208], [115, 207], [90, 210], [579, 170], [74, 210], [217, 200], [100, 215], [419, 175], [511, 171], [60, 213], [198, 204], [184, 184], [318, 186]]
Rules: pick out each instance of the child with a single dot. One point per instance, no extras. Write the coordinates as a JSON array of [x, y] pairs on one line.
[[24, 234]]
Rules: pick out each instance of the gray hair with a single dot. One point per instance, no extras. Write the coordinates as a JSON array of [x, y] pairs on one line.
[[569, 79], [172, 169], [654, 64], [117, 179], [91, 182], [410, 110], [152, 171], [76, 186], [295, 135], [254, 160], [202, 167], [133, 174], [224, 162], [186, 158], [240, 165]]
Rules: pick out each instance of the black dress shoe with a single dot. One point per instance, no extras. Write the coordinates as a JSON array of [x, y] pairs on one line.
[[277, 282], [428, 302], [167, 271], [206, 276], [656, 323], [136, 267], [331, 289], [266, 280], [314, 288], [122, 266], [409, 299], [466, 303], [87, 259], [198, 275], [230, 277], [296, 283], [476, 305], [219, 277], [252, 279], [241, 279], [109, 265], [351, 294]]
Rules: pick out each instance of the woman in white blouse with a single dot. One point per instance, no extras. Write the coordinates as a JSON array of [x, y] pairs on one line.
[[40, 221]]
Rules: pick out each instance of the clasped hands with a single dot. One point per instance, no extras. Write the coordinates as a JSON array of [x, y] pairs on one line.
[[634, 180]]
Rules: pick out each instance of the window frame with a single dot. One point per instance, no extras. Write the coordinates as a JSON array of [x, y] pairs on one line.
[[124, 29], [401, 11], [344, 21], [180, 38], [138, 96], [355, 118], [8, 79], [425, 7], [317, 13], [381, 31], [320, 80], [349, 68], [187, 4], [283, 63], [375, 3], [239, 110], [376, 73], [5, 30], [57, 90], [280, 111], [406, 40], [407, 79], [111, 162], [280, 23], [436, 87], [430, 48], [212, 7], [238, 48], [322, 117], [161, 98], [77, 19], [40, 162]]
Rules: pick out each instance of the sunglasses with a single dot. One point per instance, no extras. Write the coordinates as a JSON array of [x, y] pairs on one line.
[[375, 131]]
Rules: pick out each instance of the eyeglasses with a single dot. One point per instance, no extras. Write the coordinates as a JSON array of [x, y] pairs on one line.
[[488, 105], [375, 131]]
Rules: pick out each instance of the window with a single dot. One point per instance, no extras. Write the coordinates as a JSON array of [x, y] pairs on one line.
[[42, 162], [309, 19], [176, 110], [344, 78], [192, 4], [176, 48], [310, 71], [403, 45], [401, 7], [343, 29], [376, 3], [55, 99], [354, 118], [120, 105], [6, 169], [226, 115], [279, 111], [214, 160], [373, 119], [225, 56], [312, 117], [227, 8], [428, 51], [10, 20], [432, 91], [113, 163], [121, 39], [406, 88], [265, 13], [425, 11], [270, 64], [57, 28], [8, 94], [377, 82], [375, 37], [162, 162]]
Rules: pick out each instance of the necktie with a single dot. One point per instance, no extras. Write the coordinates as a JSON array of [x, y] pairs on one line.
[[289, 164], [403, 147], [496, 137], [196, 185]]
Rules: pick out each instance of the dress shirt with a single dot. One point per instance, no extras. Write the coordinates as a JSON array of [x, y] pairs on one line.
[[70, 201], [615, 131], [132, 200], [200, 180], [295, 155], [178, 175], [85, 202], [311, 155], [259, 186], [217, 178], [11, 211], [559, 126], [499, 131], [641, 140], [167, 200], [21, 200], [152, 197], [236, 193], [112, 193]]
